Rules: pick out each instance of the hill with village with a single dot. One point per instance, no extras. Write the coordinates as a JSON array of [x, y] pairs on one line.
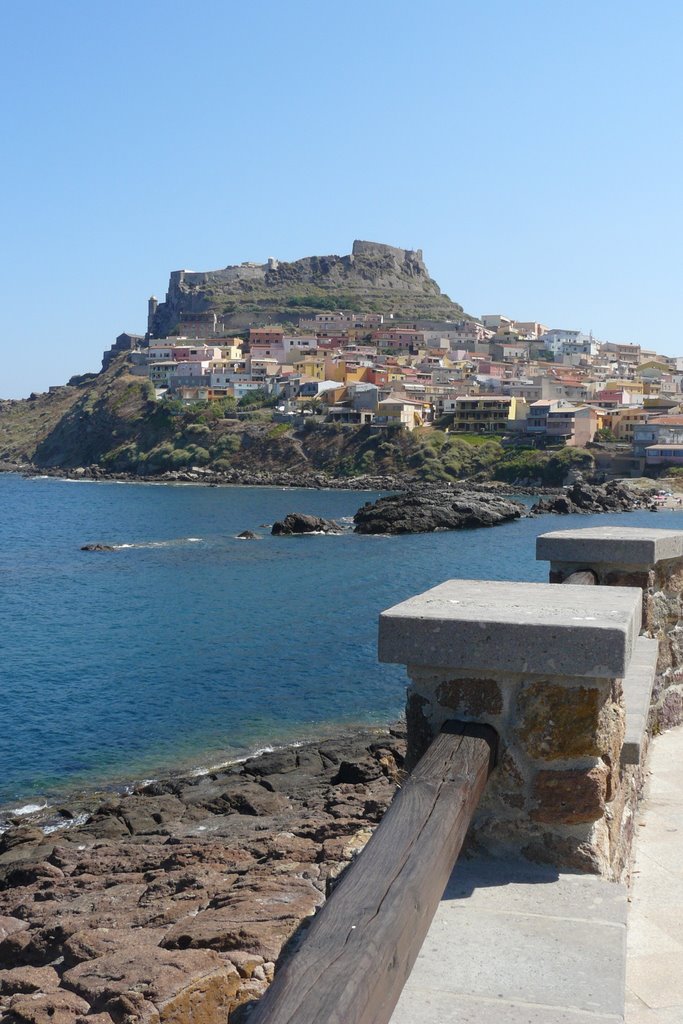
[[350, 369]]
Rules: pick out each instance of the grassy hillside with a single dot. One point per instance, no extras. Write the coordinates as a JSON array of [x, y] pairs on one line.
[[24, 423], [114, 422]]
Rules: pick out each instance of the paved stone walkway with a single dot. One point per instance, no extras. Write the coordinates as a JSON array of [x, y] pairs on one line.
[[654, 969], [521, 944], [515, 943]]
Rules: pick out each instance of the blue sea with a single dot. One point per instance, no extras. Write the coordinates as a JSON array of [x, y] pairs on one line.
[[186, 648]]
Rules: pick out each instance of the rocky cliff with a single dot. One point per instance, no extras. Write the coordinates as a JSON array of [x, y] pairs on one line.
[[372, 278]]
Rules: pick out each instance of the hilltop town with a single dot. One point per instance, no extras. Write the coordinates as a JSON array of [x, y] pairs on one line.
[[437, 397]]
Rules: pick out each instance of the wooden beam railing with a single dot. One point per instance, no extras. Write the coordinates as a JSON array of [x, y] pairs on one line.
[[361, 947]]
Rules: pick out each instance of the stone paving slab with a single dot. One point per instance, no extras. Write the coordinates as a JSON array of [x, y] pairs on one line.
[[524, 888], [517, 943], [637, 1012], [654, 972], [422, 1005]]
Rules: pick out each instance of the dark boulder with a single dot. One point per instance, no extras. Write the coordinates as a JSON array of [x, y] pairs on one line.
[[584, 498], [296, 523], [98, 547], [247, 535], [442, 508]]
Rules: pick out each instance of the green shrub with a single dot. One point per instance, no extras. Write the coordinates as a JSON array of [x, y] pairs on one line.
[[562, 462], [228, 444], [366, 463], [225, 405], [549, 469], [259, 397], [123, 459], [605, 434], [277, 430], [524, 466], [197, 430], [179, 458], [198, 456]]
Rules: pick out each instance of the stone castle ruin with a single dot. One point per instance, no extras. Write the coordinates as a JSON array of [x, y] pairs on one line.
[[372, 277]]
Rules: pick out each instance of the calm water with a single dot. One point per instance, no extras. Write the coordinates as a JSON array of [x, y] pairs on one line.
[[191, 647]]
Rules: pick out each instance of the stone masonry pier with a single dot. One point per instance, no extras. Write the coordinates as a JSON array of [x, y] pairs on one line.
[[544, 665], [575, 680], [652, 561]]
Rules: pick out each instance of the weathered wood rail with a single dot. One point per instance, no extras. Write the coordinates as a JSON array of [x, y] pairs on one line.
[[361, 947]]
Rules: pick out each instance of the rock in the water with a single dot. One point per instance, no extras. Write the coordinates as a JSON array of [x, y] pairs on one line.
[[297, 523], [247, 535], [98, 547], [581, 497], [437, 508]]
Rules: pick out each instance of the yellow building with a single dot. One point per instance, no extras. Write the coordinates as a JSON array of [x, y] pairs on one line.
[[335, 369], [395, 373], [484, 414], [310, 366], [231, 352], [634, 386], [623, 421]]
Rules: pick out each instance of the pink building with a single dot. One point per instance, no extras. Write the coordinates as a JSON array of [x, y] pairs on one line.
[[265, 334], [489, 369], [563, 422], [184, 353], [196, 368], [399, 340]]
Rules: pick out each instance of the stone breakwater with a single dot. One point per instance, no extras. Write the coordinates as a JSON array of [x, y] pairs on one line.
[[172, 905]]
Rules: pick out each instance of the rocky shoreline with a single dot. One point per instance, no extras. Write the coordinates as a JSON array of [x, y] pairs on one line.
[[267, 478], [174, 902]]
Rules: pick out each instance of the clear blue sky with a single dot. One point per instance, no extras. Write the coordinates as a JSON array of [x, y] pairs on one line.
[[531, 149]]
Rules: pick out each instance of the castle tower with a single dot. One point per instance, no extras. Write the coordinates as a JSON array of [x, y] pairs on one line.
[[152, 304]]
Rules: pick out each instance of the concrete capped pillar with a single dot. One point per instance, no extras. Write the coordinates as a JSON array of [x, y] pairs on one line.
[[651, 560], [544, 666]]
